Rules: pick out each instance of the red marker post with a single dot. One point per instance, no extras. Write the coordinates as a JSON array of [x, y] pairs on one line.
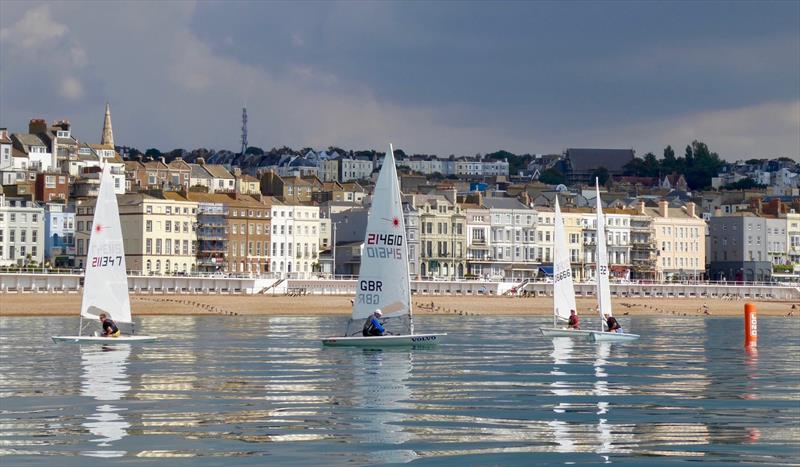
[[750, 325]]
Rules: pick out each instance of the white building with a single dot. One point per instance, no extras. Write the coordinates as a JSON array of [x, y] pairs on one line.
[[21, 233], [354, 169], [294, 244]]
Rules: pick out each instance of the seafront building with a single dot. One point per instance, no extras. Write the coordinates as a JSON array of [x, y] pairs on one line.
[[442, 236], [738, 247], [21, 233], [301, 214], [59, 228], [159, 233], [679, 235]]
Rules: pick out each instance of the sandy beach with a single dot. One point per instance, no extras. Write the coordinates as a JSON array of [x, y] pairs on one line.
[[68, 304]]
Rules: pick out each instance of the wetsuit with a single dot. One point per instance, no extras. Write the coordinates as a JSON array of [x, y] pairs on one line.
[[110, 329], [373, 327]]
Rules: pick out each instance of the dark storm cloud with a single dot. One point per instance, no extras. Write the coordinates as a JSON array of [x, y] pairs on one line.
[[442, 77]]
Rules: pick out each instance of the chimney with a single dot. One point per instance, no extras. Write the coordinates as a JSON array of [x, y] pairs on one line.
[[163, 160], [37, 126], [690, 209], [663, 208], [641, 207], [759, 205]]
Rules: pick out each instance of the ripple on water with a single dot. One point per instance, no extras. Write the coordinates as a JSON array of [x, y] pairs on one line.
[[252, 389]]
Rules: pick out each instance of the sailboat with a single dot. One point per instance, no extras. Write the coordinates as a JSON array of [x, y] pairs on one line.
[[603, 286], [563, 287], [383, 280], [105, 284]]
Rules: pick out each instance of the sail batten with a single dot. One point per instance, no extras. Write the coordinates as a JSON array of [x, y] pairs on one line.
[[105, 287], [383, 280], [563, 287]]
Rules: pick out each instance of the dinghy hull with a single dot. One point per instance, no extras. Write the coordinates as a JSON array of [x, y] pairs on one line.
[[103, 340], [562, 332], [613, 337], [404, 340]]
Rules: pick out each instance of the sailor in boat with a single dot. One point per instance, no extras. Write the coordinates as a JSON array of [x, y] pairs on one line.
[[373, 326], [574, 322], [110, 328], [613, 324]]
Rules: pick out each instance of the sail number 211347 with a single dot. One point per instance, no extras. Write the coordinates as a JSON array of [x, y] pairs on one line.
[[103, 261]]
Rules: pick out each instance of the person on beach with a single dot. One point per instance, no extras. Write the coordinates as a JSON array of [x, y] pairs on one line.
[[613, 324], [110, 328], [373, 326], [574, 322]]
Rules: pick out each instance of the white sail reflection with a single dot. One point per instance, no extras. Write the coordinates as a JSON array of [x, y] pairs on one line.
[[382, 389], [105, 380], [605, 436], [563, 436]]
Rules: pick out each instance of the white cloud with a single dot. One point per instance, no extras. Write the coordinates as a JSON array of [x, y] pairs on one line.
[[71, 88], [34, 30]]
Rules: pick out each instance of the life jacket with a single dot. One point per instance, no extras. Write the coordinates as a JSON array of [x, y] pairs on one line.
[[107, 323]]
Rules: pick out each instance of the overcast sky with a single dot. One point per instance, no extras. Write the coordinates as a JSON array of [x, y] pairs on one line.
[[431, 77]]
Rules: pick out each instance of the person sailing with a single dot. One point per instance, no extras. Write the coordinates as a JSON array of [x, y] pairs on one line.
[[110, 328], [613, 324], [574, 322], [373, 326]]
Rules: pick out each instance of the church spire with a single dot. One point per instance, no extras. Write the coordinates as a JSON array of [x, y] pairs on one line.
[[108, 134]]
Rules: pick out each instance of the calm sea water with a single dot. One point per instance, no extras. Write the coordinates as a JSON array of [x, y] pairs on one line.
[[252, 390]]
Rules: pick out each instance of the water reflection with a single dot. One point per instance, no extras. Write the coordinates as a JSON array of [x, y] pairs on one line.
[[104, 379], [604, 431], [380, 383]]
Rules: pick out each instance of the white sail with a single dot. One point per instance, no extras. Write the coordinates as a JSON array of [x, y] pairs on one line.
[[603, 287], [383, 281], [105, 287], [563, 287]]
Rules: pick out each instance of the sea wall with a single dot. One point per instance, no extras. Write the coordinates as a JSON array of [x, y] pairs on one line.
[[15, 282]]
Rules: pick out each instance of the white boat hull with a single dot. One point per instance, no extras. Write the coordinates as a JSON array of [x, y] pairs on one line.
[[103, 340], [612, 337], [564, 332], [404, 340]]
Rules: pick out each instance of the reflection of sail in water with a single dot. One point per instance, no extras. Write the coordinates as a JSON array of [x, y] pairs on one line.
[[601, 389], [382, 390], [104, 379], [562, 352]]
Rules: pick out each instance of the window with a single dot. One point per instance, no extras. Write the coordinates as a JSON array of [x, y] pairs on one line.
[[35, 234], [185, 247], [158, 249], [168, 224], [148, 249], [148, 226], [23, 235]]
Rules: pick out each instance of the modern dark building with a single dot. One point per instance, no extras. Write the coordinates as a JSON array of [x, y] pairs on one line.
[[738, 248], [582, 162]]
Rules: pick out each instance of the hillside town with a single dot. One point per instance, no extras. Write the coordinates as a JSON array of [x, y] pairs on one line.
[[303, 214]]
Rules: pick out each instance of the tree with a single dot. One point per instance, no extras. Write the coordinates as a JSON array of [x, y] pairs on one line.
[[254, 150], [552, 177], [669, 154], [153, 152], [601, 173]]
